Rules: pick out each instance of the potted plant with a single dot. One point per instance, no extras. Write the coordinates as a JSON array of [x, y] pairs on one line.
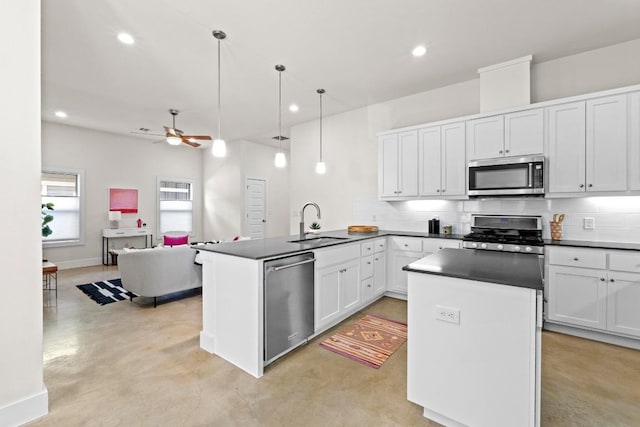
[[47, 208], [314, 228]]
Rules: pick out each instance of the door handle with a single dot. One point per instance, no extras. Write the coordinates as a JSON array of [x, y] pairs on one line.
[[264, 220], [295, 264]]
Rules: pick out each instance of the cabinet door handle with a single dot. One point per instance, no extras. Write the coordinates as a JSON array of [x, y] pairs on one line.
[[368, 286], [575, 259], [506, 151], [602, 279], [500, 152], [611, 280], [581, 185], [406, 246], [440, 248], [590, 185], [368, 262], [443, 190], [368, 249], [437, 191], [376, 259]]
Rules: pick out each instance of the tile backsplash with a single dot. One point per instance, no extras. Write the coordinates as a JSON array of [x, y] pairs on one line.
[[617, 219]]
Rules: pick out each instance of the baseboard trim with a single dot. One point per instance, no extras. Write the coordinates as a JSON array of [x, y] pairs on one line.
[[25, 410], [593, 335], [88, 262], [396, 295]]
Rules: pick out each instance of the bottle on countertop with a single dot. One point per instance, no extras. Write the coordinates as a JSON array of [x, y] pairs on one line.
[[434, 226]]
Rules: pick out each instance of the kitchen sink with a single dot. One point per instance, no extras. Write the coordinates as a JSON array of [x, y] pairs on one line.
[[318, 240]]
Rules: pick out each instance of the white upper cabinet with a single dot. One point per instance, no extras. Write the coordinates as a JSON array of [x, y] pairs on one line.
[[388, 165], [588, 146], [454, 166], [607, 144], [514, 134], [430, 155], [442, 168], [398, 165], [524, 133], [485, 138], [566, 155], [634, 141]]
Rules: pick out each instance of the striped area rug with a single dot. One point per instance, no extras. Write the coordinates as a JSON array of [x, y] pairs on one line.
[[371, 340], [106, 292]]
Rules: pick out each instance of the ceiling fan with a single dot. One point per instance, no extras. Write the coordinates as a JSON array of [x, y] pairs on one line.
[[175, 136]]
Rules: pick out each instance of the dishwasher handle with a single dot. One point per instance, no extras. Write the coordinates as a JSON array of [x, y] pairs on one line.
[[295, 264]]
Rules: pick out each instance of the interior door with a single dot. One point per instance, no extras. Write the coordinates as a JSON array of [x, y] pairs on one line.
[[255, 208]]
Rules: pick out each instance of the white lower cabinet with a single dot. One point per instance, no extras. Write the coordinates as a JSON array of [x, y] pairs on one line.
[[337, 291], [605, 298], [577, 296], [379, 274], [405, 250], [373, 268]]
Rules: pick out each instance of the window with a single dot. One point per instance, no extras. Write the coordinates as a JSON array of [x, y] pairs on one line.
[[175, 205], [63, 188]]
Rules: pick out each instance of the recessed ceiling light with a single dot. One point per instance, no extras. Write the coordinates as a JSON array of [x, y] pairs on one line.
[[293, 108], [61, 114], [419, 51], [126, 38]]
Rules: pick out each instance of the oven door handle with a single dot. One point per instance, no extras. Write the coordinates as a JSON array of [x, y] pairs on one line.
[[530, 175]]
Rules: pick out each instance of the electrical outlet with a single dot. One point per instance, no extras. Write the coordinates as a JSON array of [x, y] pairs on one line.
[[447, 314], [589, 223]]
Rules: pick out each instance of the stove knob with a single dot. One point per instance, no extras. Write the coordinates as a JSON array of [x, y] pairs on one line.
[[517, 248], [527, 249], [483, 246], [500, 247], [474, 245]]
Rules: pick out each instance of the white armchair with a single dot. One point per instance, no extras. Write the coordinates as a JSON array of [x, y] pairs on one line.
[[159, 271]]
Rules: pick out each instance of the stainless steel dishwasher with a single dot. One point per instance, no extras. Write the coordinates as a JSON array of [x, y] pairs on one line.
[[288, 304]]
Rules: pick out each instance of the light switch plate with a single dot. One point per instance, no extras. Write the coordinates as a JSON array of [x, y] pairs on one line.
[[589, 223]]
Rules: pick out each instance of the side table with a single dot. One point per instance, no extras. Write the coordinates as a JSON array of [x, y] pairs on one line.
[[119, 233], [50, 278]]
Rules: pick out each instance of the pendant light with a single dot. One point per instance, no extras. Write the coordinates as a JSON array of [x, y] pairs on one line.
[[281, 159], [321, 168], [219, 148]]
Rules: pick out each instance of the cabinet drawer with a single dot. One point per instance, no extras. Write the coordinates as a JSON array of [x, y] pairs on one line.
[[625, 261], [367, 266], [578, 257], [366, 248], [406, 243], [342, 253], [380, 245], [434, 245]]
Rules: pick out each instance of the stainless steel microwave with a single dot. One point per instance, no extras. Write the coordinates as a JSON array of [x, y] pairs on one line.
[[507, 176]]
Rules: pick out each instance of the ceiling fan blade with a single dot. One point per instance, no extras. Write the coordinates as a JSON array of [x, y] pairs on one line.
[[147, 133], [170, 131], [193, 144], [201, 137]]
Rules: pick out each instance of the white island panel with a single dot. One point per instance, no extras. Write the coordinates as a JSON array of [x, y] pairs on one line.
[[479, 368], [232, 310]]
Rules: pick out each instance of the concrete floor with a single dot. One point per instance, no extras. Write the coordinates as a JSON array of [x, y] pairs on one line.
[[127, 364]]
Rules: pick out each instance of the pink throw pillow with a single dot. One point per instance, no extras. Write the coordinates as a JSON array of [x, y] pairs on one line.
[[176, 240]]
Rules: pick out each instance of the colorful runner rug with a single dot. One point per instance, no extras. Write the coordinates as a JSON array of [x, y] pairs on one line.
[[371, 340], [106, 292]]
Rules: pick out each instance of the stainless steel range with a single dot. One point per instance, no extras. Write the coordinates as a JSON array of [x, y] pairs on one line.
[[506, 233]]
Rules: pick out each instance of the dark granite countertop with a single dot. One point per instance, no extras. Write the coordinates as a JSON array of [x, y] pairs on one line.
[[513, 269], [279, 246], [594, 244]]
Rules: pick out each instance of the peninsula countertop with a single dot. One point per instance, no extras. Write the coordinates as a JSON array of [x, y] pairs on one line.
[[259, 249], [513, 269]]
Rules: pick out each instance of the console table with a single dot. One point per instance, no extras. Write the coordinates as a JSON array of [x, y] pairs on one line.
[[118, 233]]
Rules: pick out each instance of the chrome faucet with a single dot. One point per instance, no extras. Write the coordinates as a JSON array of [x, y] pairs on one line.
[[302, 233]]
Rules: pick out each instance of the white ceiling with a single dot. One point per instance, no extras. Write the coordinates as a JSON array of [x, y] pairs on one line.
[[358, 50]]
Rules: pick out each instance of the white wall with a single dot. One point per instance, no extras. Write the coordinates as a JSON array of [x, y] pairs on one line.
[[223, 180], [23, 395], [116, 161], [347, 194]]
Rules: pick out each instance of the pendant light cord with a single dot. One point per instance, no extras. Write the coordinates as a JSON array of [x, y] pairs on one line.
[[321, 127], [280, 108], [219, 110]]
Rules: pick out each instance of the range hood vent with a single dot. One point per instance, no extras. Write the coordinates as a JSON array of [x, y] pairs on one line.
[[505, 85]]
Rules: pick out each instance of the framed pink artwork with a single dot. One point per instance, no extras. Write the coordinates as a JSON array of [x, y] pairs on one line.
[[123, 200]]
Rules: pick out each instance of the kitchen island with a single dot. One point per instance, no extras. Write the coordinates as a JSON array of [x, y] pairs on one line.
[[233, 292], [475, 320]]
